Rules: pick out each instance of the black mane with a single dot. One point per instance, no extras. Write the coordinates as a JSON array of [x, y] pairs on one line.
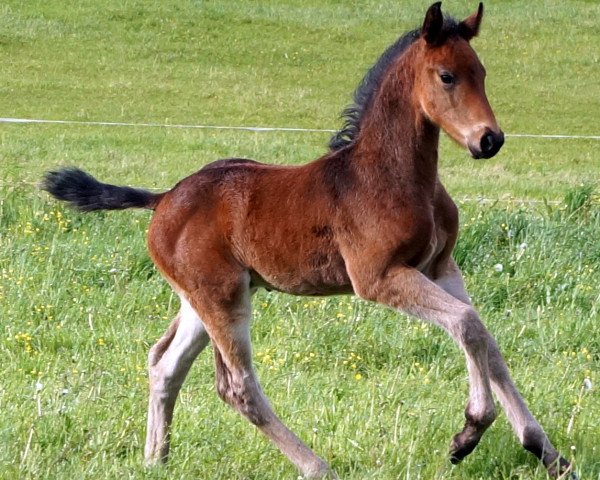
[[364, 93]]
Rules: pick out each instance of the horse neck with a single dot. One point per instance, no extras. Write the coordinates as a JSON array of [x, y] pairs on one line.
[[397, 144]]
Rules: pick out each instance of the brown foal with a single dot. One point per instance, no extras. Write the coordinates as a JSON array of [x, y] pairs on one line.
[[370, 217]]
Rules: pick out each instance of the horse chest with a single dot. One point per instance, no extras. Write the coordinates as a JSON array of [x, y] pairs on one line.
[[432, 248], [425, 246]]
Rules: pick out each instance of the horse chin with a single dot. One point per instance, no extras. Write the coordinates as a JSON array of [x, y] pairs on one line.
[[477, 154]]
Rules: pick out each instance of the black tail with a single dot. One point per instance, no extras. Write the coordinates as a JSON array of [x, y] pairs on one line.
[[82, 191]]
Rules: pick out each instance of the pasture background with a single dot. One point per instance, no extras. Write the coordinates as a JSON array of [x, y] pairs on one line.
[[376, 394]]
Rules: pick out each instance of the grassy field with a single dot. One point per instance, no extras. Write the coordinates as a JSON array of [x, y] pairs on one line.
[[375, 393]]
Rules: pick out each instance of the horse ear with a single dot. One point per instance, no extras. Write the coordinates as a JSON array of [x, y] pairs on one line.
[[469, 27], [432, 26]]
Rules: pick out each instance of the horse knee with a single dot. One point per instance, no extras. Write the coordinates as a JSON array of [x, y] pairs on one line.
[[481, 416], [470, 331]]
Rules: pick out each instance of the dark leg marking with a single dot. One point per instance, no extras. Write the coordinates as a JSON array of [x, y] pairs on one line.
[[465, 442], [557, 466]]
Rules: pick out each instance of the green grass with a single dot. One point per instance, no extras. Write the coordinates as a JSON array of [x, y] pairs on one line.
[[81, 303]]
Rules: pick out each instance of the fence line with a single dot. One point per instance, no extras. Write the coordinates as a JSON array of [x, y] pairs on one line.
[[250, 128], [276, 129], [165, 125]]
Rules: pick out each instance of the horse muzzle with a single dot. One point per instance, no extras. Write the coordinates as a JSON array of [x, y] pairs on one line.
[[488, 145]]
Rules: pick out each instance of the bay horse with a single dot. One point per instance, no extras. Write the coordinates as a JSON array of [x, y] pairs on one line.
[[369, 218]]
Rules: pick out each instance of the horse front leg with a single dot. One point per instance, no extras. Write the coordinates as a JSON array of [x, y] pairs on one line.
[[528, 430], [408, 290]]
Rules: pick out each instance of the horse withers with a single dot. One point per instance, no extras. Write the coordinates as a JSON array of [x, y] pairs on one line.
[[369, 217]]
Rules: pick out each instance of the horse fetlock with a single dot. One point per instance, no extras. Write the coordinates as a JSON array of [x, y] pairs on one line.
[[535, 441], [558, 467], [480, 419], [155, 460], [156, 454]]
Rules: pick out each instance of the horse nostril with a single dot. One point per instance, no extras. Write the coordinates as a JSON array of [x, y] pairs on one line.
[[490, 143], [487, 142]]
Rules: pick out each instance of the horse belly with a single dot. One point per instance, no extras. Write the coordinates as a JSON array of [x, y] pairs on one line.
[[313, 273]]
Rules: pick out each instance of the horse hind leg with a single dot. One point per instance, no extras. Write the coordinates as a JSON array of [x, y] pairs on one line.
[[169, 362], [228, 324]]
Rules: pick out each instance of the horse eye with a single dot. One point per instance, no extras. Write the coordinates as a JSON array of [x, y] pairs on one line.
[[447, 78]]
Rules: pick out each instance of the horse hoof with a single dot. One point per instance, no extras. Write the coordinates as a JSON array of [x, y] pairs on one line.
[[321, 471], [568, 475], [460, 448], [325, 475], [561, 469]]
